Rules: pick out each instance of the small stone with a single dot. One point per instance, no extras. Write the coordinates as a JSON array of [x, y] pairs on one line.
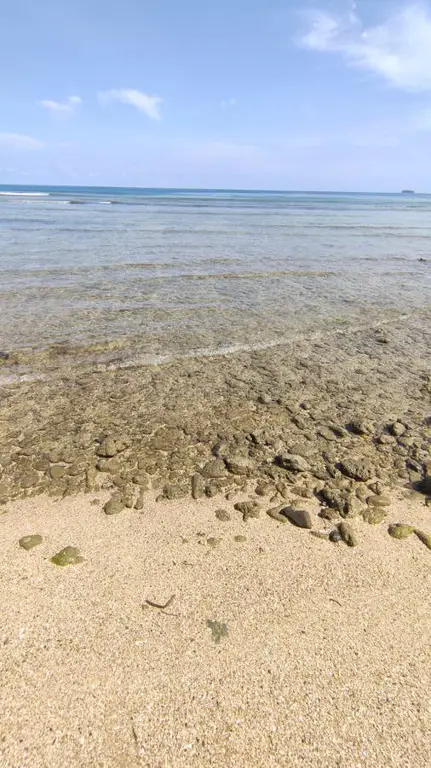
[[211, 490], [386, 440], [173, 492], [42, 465], [374, 515], [327, 513], [57, 471], [212, 542], [240, 539], [264, 399], [357, 469], [334, 498], [424, 486], [107, 448], [67, 556], [348, 535], [222, 515], [335, 536], [248, 509], [360, 427], [240, 466], [352, 507], [400, 530], [139, 504], [320, 535], [29, 480], [214, 468], [275, 514], [299, 517], [198, 487], [113, 507], [90, 478], [28, 542], [377, 488], [397, 429], [379, 501], [293, 462], [425, 538]]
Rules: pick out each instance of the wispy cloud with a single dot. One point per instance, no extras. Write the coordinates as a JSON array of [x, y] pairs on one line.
[[19, 143], [228, 103], [399, 50], [148, 105], [67, 107]]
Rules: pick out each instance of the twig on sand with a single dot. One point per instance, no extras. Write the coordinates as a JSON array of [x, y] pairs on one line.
[[159, 606], [333, 600]]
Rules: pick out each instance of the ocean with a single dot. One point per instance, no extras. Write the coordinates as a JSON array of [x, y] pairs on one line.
[[122, 276]]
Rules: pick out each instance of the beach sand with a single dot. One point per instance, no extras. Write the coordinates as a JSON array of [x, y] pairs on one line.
[[326, 660]]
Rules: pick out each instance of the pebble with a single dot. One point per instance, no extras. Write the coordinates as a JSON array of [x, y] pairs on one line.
[[214, 468], [275, 514], [335, 536], [240, 539], [357, 469], [248, 509], [425, 538], [293, 462], [113, 507], [379, 501], [213, 542], [374, 515], [397, 429], [198, 487], [299, 517], [28, 542], [57, 471], [400, 530], [222, 515], [139, 504], [107, 448], [67, 556], [348, 535]]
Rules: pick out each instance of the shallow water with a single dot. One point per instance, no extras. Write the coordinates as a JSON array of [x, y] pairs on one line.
[[145, 275]]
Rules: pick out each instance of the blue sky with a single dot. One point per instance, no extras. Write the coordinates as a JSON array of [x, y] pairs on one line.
[[286, 94]]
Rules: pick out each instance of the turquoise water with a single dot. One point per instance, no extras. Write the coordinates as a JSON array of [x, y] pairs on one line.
[[150, 274]]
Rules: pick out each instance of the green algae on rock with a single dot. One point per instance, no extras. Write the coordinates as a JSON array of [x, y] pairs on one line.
[[67, 556], [348, 535], [218, 630], [28, 542], [374, 515], [400, 530]]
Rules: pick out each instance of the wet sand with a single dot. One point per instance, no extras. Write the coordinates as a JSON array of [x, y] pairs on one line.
[[325, 660]]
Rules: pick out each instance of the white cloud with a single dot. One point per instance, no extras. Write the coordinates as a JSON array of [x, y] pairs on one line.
[[149, 105], [19, 143], [67, 107], [226, 103], [398, 50]]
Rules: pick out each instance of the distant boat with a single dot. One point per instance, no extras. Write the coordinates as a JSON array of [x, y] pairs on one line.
[[408, 192]]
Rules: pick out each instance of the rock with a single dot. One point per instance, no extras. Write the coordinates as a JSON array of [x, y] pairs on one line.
[[327, 513], [28, 542], [42, 465], [424, 486], [198, 486], [400, 530], [374, 515], [299, 517], [240, 466], [212, 542], [379, 501], [360, 427], [90, 478], [397, 429], [57, 471], [334, 498], [174, 492], [248, 509], [139, 504], [113, 507], [377, 488], [293, 462], [320, 535], [275, 514], [348, 535], [357, 469], [107, 449], [386, 440], [214, 468], [67, 556], [335, 536], [425, 538], [352, 507], [264, 399], [211, 490], [240, 539], [222, 515], [29, 479]]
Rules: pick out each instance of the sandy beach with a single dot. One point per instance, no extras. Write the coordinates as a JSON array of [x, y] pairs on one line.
[[323, 657]]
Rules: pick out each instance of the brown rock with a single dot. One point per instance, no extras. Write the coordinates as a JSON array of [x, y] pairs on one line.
[[107, 448], [348, 534], [293, 462], [299, 517], [214, 468], [248, 509]]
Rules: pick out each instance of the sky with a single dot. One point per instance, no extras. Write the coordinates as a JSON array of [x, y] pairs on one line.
[[252, 94]]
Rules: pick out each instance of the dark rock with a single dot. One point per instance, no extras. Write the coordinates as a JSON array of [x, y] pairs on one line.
[[299, 517], [357, 469], [335, 536]]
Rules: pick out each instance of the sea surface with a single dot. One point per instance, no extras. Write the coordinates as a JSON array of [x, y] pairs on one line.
[[144, 275]]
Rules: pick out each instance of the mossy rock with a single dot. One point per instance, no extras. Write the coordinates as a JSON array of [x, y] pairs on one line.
[[400, 531], [67, 556], [113, 507], [425, 538], [374, 515], [28, 542]]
